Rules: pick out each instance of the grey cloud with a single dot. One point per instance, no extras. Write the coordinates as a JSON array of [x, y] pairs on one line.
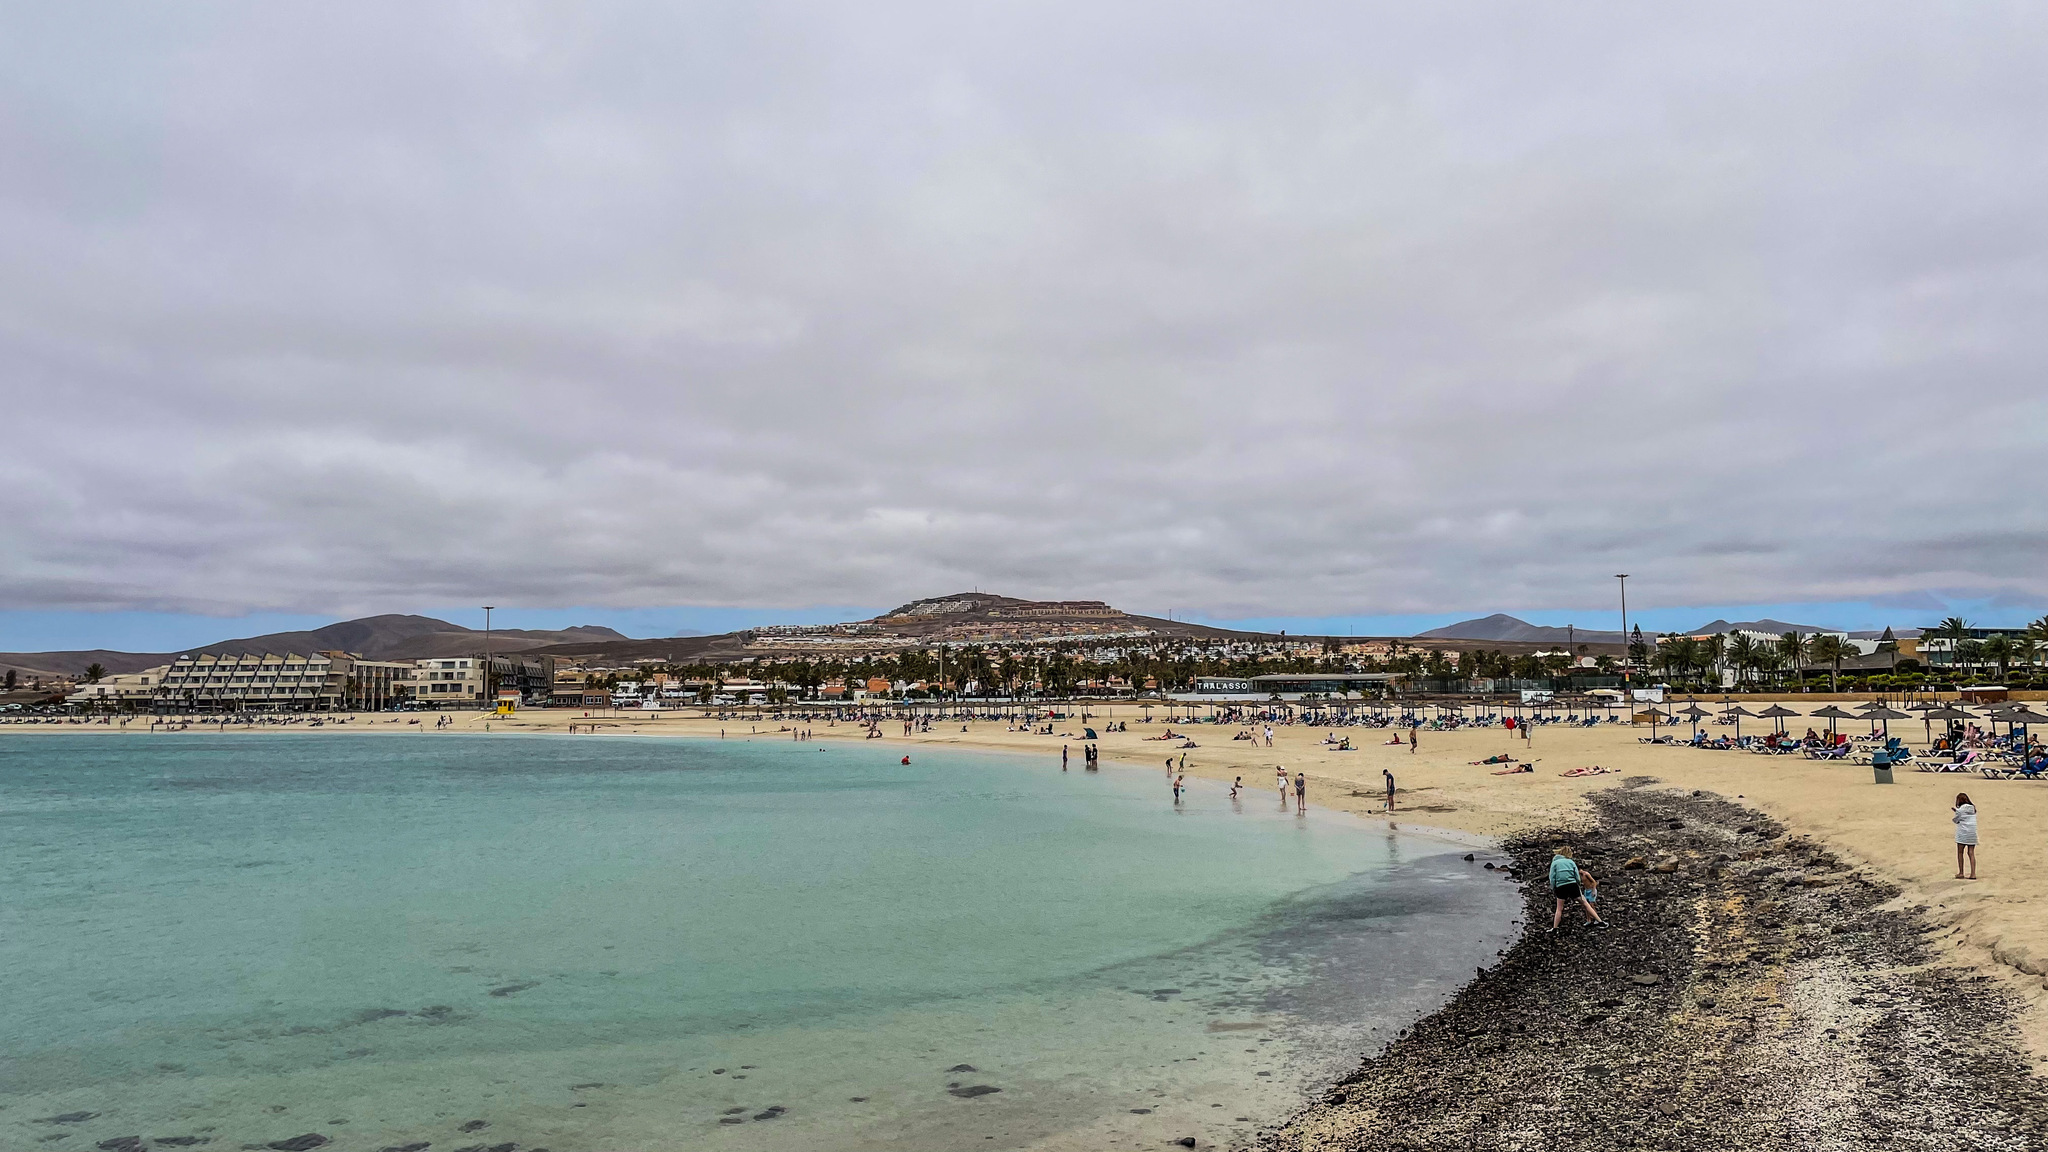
[[1316, 309]]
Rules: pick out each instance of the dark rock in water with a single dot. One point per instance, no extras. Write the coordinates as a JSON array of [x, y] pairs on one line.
[[371, 1015], [963, 1068], [1489, 865], [732, 1120], [180, 1141], [415, 1146], [509, 989], [718, 1071], [857, 1099], [973, 1090], [952, 1083], [507, 1146], [436, 1012], [68, 1118], [298, 1143], [1141, 1111], [770, 1113], [1468, 856], [1166, 991], [121, 1144], [1186, 1141], [732, 1111], [475, 1126]]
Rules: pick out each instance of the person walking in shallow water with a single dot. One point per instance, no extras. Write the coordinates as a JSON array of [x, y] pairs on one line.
[[1179, 782], [1965, 819], [1301, 793], [1389, 774]]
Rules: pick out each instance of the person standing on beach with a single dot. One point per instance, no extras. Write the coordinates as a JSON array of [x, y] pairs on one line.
[[1564, 885], [1269, 735], [1411, 741], [1965, 819], [1301, 793], [1063, 757], [1389, 774], [1280, 772]]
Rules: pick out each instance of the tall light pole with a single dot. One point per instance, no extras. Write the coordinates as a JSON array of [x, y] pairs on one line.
[[491, 694], [1626, 680]]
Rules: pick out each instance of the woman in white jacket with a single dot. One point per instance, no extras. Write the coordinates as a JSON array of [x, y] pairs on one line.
[[1965, 819]]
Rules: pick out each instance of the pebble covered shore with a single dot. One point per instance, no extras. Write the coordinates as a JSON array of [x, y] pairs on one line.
[[1753, 993]]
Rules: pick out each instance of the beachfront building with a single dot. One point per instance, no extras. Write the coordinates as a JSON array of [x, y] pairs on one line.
[[1290, 686], [324, 681], [132, 689], [476, 681]]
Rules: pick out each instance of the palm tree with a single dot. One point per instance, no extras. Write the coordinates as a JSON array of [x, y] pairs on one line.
[[1829, 649], [1998, 649], [2038, 633], [1794, 647], [1742, 653], [1955, 630], [94, 673]]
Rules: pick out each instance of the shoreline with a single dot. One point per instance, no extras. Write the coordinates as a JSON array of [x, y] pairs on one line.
[[1901, 830], [1894, 837]]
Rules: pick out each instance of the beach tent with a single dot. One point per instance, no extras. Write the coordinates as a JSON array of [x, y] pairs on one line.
[[1942, 712], [1833, 714], [2018, 716], [1886, 716], [1778, 712]]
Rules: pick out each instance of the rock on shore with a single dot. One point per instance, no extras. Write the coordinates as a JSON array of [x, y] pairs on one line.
[[1752, 994]]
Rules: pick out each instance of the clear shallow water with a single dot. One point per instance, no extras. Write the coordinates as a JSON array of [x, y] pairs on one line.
[[383, 938]]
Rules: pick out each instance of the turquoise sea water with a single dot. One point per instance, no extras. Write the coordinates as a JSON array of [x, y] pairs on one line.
[[603, 943]]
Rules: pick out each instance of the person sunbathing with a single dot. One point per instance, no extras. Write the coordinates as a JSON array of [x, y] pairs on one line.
[[1529, 767], [1503, 758], [1592, 770]]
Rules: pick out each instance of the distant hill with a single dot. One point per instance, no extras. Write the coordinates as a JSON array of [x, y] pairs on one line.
[[1502, 628], [390, 637], [396, 637], [1774, 627]]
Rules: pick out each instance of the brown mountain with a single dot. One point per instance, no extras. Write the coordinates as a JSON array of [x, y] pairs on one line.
[[390, 637]]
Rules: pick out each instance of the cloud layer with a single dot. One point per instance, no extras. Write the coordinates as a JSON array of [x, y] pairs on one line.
[[1307, 309]]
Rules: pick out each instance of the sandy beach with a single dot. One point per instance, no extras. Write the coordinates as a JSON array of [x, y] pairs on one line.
[[1900, 832]]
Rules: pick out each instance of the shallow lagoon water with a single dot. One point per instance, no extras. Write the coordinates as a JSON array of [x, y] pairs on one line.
[[596, 943]]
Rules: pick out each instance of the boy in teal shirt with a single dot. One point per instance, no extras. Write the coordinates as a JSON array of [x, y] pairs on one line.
[[1565, 879]]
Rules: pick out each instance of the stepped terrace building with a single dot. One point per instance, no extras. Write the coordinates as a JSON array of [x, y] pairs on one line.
[[324, 681]]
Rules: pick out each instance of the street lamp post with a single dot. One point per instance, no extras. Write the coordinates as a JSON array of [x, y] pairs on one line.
[[490, 691], [1627, 681]]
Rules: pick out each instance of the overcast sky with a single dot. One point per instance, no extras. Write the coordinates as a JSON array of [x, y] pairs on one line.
[[1248, 311]]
